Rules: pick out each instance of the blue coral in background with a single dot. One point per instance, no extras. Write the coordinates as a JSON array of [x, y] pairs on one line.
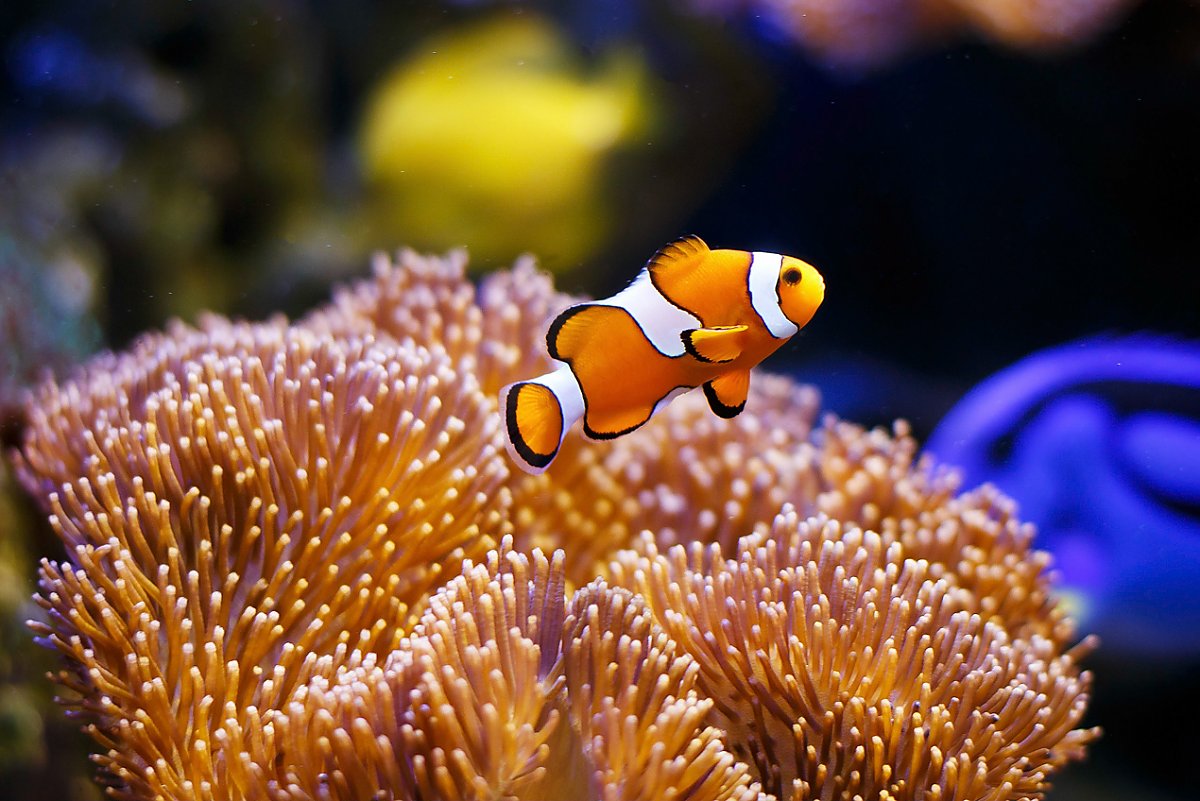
[[1099, 441], [47, 314]]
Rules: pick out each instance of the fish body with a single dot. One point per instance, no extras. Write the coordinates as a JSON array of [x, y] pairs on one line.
[[693, 317], [441, 177]]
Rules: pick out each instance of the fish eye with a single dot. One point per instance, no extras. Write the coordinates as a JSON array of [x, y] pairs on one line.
[[791, 276]]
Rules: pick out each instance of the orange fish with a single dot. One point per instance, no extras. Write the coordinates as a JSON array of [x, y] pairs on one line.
[[693, 317]]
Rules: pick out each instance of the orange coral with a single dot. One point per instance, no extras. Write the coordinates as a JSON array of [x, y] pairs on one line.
[[496, 330], [870, 33], [1039, 23], [266, 526], [843, 668], [494, 695], [247, 498]]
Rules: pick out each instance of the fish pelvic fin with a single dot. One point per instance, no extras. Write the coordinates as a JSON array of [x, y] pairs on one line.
[[727, 393], [716, 345], [534, 424]]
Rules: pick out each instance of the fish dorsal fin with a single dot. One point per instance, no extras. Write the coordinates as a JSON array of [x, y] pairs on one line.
[[675, 258]]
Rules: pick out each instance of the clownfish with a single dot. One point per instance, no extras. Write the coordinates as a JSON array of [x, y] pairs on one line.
[[693, 317]]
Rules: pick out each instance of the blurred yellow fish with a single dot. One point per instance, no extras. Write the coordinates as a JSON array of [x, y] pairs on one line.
[[493, 136]]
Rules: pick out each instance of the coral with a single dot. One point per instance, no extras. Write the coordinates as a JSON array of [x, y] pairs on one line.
[[300, 567], [1091, 437], [496, 330], [244, 497], [863, 34], [841, 664], [496, 695], [1039, 23], [483, 658], [876, 481], [859, 33]]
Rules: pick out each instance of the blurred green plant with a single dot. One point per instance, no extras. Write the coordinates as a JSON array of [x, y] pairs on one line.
[[41, 751], [21, 731]]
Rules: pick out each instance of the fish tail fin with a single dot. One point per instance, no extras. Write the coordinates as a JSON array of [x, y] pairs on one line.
[[535, 422]]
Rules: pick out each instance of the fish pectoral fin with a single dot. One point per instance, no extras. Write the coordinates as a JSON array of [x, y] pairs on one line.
[[727, 393], [715, 345]]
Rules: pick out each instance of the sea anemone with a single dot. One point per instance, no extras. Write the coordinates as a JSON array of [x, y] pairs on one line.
[[495, 330], [843, 667], [496, 695], [300, 567], [234, 499]]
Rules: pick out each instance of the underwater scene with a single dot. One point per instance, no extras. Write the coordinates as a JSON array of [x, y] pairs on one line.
[[749, 400]]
